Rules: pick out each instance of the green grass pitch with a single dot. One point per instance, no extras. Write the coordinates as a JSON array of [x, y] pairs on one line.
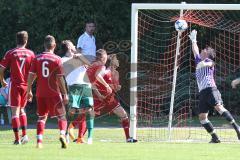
[[104, 148]]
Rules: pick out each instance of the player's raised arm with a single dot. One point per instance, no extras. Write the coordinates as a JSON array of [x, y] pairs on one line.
[[199, 57], [70, 49], [82, 58], [193, 38]]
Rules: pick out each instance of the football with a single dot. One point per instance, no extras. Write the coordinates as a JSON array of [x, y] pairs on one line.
[[181, 25]]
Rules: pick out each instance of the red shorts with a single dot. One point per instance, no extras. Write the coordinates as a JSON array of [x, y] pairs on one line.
[[17, 95], [52, 106], [105, 106]]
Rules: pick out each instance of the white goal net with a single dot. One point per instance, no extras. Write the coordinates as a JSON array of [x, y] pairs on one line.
[[154, 44]]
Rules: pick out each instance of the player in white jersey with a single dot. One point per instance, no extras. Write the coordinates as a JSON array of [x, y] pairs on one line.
[[80, 90], [209, 95]]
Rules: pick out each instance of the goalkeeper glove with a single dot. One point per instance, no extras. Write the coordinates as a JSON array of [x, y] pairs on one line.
[[193, 36]]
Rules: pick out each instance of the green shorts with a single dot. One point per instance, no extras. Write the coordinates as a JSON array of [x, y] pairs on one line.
[[80, 96]]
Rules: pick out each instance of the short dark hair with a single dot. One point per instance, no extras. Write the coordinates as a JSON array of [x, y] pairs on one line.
[[21, 37], [90, 21], [49, 42], [64, 45]]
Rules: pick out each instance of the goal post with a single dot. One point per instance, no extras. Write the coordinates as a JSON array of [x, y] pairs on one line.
[[133, 74], [174, 79], [145, 36]]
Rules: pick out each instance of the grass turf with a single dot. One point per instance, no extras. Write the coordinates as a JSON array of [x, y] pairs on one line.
[[104, 148]]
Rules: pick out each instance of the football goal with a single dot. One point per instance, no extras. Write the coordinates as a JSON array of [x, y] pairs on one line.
[[164, 94]]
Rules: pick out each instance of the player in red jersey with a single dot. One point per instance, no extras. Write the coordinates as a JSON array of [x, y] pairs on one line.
[[108, 103], [96, 70], [19, 61], [104, 101], [51, 91]]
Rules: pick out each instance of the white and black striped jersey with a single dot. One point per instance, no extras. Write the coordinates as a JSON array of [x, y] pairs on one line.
[[204, 74]]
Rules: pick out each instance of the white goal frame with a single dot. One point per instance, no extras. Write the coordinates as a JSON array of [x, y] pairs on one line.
[[134, 51]]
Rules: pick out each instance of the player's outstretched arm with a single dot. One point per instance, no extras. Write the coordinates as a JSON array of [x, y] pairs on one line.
[[193, 38], [63, 89], [235, 82], [31, 78], [82, 58]]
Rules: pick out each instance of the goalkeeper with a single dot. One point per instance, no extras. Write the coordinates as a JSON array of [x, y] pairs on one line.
[[209, 95]]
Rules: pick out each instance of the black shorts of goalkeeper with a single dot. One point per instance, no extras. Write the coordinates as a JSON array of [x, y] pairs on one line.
[[208, 99]]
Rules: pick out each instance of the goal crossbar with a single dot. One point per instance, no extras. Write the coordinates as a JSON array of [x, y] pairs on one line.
[[186, 6]]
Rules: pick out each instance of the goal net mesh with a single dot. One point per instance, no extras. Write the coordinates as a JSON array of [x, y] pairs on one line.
[[157, 41]]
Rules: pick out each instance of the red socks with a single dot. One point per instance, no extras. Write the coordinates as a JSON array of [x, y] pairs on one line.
[[23, 123], [125, 125], [82, 126], [15, 127], [62, 125], [40, 130], [76, 122], [18, 122]]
